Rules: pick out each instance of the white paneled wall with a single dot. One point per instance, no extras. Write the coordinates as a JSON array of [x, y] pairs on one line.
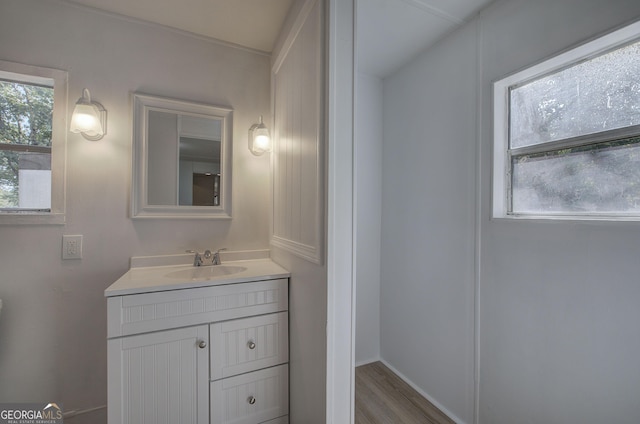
[[298, 208], [298, 168]]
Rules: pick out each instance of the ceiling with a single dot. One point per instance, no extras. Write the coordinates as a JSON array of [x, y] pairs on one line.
[[249, 23], [389, 32]]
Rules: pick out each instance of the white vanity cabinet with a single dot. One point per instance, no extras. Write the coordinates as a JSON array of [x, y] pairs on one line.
[[198, 355], [159, 377]]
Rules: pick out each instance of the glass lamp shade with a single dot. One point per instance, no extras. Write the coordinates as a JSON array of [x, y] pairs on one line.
[[88, 118], [259, 138]]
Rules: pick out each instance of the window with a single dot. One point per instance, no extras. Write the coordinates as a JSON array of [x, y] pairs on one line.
[[567, 134], [32, 144]]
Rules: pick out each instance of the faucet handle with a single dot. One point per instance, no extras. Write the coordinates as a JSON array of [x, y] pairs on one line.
[[216, 256], [197, 260]]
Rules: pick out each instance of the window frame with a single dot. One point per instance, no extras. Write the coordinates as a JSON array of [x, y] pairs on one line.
[[41, 75], [502, 154]]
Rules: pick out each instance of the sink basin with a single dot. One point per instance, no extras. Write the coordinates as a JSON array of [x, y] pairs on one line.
[[206, 272]]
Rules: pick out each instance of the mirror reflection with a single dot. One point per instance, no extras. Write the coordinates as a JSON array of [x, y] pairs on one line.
[[197, 157], [181, 159]]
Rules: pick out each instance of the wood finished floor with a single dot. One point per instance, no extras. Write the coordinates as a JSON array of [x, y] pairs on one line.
[[384, 398]]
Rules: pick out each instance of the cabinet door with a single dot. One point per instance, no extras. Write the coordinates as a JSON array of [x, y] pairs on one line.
[[159, 378], [248, 344]]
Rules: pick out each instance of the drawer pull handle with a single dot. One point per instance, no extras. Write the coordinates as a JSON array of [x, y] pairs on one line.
[[202, 344], [251, 344], [251, 400]]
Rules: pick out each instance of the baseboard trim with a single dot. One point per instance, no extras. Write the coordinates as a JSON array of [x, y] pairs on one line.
[[368, 361], [423, 393]]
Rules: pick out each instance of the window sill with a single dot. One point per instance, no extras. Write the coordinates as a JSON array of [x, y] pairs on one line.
[[566, 218], [33, 219]]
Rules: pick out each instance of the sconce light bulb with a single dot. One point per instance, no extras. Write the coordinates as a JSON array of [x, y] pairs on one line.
[[84, 122], [261, 142], [259, 138]]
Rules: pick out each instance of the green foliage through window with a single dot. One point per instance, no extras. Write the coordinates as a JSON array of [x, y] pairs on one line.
[[26, 112]]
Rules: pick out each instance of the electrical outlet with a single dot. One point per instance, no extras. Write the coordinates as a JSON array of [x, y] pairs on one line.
[[72, 247]]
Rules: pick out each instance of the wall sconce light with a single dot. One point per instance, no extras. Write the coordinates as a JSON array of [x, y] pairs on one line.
[[89, 118], [259, 138]]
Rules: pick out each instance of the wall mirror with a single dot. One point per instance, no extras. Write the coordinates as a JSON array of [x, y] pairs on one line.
[[181, 159]]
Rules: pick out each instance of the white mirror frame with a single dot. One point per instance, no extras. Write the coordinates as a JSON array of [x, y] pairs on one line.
[[140, 207]]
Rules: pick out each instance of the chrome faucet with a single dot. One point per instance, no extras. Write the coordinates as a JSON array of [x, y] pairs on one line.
[[207, 258], [216, 257]]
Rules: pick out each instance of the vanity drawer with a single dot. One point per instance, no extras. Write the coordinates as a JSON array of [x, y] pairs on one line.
[[248, 344], [145, 312], [256, 397]]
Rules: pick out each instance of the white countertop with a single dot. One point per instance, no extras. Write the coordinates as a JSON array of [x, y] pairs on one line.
[[155, 278]]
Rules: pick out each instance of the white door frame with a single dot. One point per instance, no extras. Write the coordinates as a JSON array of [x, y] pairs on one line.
[[340, 240]]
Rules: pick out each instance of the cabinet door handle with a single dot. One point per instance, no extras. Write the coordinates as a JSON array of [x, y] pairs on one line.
[[202, 344], [251, 344], [251, 400]]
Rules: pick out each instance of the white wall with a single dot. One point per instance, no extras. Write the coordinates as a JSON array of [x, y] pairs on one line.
[[559, 334], [163, 159], [53, 323], [368, 210], [558, 301], [428, 185]]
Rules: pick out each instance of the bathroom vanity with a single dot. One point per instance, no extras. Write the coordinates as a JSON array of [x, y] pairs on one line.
[[199, 344]]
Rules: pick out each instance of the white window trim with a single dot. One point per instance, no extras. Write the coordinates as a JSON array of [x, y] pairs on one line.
[[37, 74], [501, 166]]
